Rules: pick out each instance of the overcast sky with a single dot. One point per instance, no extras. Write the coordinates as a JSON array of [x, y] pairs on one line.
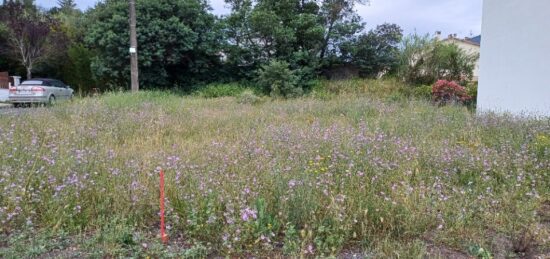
[[422, 16]]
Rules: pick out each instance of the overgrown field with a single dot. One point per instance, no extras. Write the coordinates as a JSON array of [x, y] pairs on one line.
[[379, 177]]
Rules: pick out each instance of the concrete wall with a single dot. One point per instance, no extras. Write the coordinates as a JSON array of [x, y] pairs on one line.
[[4, 95], [515, 57]]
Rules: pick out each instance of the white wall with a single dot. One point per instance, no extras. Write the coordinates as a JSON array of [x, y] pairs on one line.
[[515, 57], [4, 94]]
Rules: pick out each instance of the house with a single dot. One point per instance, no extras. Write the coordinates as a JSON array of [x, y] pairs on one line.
[[469, 45], [5, 83], [4, 80], [515, 58]]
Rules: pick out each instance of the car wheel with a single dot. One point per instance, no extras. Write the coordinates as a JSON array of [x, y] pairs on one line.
[[51, 100]]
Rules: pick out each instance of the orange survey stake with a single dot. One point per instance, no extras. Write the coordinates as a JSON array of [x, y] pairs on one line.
[[163, 235]]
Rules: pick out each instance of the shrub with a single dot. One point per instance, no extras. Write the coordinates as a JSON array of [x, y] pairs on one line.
[[423, 91], [445, 92], [220, 90], [248, 97], [452, 63], [472, 91], [541, 146], [414, 57], [424, 60], [277, 79]]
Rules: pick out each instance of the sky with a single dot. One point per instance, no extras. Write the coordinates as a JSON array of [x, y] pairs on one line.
[[462, 17]]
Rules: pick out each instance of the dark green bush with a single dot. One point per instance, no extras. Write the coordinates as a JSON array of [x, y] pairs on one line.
[[220, 90], [424, 60], [249, 97], [277, 79], [422, 91]]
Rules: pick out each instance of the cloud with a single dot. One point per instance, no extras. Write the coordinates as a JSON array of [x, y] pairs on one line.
[[422, 16], [82, 4], [426, 16]]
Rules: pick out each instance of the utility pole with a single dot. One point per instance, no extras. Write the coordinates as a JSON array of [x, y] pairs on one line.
[[133, 47]]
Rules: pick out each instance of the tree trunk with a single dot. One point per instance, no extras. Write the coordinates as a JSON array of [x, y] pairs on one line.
[[29, 73], [326, 40]]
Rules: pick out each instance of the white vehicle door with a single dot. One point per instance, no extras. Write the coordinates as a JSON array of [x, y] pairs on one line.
[[67, 91], [58, 90]]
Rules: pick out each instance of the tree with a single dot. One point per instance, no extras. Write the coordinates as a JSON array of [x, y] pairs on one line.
[[306, 34], [375, 52], [451, 63], [31, 34], [424, 60], [179, 42], [277, 79], [341, 22], [77, 68], [66, 6]]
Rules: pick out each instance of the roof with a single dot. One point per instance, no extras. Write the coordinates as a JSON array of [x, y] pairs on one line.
[[40, 79], [476, 39], [473, 41]]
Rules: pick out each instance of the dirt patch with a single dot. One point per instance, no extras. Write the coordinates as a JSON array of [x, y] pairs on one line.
[[353, 254], [439, 251], [544, 213], [502, 246], [68, 253]]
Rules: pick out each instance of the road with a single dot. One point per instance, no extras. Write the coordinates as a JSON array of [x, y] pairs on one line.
[[4, 93]]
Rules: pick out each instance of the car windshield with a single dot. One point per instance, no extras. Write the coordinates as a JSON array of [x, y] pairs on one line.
[[32, 82]]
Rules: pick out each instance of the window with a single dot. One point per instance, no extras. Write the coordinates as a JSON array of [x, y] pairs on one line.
[[59, 84], [33, 82]]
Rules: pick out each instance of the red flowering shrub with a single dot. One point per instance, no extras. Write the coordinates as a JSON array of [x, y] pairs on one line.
[[444, 92]]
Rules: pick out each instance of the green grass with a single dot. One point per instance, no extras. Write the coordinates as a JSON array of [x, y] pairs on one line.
[[355, 166]]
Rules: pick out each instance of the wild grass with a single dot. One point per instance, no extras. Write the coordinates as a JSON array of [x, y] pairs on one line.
[[382, 176]]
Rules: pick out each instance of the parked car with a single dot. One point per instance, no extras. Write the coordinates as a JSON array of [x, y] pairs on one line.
[[40, 91]]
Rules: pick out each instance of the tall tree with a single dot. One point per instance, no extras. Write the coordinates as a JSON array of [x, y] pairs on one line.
[[66, 5], [298, 31], [375, 52], [340, 21], [30, 34], [179, 42], [264, 30]]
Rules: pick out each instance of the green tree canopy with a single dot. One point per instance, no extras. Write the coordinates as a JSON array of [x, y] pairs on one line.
[[179, 42], [423, 60], [304, 33], [375, 52]]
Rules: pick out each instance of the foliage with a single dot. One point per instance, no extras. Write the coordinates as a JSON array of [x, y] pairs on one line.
[[249, 97], [32, 35], [178, 42], [423, 92], [541, 146], [451, 63], [220, 90], [380, 89], [310, 177], [340, 23], [414, 59], [77, 71], [479, 252], [66, 6], [424, 60], [472, 91], [182, 44], [277, 79], [375, 52], [445, 92], [304, 33], [7, 61]]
